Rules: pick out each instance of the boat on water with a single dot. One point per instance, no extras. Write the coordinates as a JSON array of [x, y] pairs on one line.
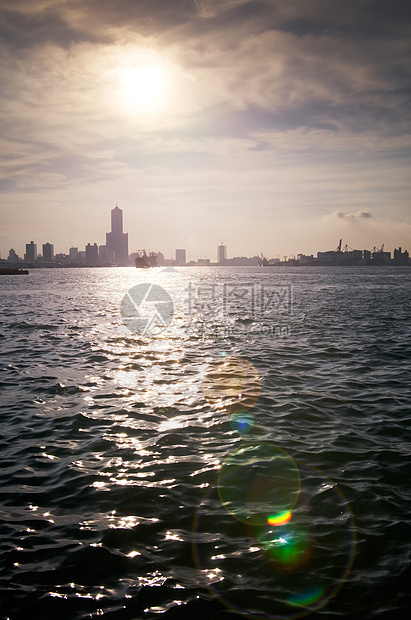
[[13, 271], [145, 261]]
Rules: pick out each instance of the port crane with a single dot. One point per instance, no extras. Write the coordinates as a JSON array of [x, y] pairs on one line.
[[347, 248]]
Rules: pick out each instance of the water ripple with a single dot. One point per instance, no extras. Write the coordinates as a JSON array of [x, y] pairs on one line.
[[110, 453]]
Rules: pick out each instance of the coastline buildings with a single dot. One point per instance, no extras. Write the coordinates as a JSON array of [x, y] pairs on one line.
[[181, 257], [91, 255], [105, 256], [31, 252], [48, 252], [379, 257], [349, 257], [116, 240], [401, 258], [13, 257], [221, 254], [73, 254], [115, 253]]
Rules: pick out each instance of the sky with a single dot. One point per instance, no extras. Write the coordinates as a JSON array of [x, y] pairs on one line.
[[272, 126]]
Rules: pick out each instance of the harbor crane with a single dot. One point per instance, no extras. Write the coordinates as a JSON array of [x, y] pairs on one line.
[[347, 248]]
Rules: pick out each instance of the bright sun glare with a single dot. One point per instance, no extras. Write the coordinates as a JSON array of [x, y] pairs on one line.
[[145, 86]]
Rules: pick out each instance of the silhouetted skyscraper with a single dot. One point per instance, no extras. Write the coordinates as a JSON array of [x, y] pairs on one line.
[[221, 253], [91, 255], [48, 252], [116, 240], [181, 257], [13, 257], [401, 258], [31, 252]]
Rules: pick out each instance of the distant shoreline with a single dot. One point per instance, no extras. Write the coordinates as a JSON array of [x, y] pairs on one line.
[[24, 269]]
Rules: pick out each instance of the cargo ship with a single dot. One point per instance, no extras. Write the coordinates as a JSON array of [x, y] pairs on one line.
[[144, 260]]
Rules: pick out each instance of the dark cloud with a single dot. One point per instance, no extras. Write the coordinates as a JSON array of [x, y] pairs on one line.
[[354, 217], [278, 64], [23, 30], [25, 23], [347, 18]]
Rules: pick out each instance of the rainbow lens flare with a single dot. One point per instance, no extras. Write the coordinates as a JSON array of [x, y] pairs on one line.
[[258, 481], [301, 563], [288, 546], [280, 519]]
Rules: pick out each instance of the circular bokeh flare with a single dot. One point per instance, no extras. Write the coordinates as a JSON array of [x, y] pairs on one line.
[[277, 572], [232, 384], [258, 482], [242, 421]]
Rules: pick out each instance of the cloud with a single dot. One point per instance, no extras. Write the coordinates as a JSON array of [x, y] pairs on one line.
[[286, 110], [354, 217], [208, 9], [363, 229], [247, 55], [27, 6]]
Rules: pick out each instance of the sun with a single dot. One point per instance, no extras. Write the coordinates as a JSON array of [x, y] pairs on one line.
[[145, 86]]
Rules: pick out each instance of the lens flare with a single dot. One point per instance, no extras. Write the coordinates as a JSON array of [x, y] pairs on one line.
[[303, 562], [257, 481], [242, 421], [232, 384], [288, 546], [306, 597], [280, 519]]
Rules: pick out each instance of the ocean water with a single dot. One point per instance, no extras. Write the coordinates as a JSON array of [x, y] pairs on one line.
[[238, 447]]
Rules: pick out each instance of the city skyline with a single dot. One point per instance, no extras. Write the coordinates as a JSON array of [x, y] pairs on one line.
[[279, 127], [115, 253]]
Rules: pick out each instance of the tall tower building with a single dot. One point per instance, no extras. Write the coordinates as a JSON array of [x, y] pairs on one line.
[[91, 255], [31, 252], [116, 240], [221, 254], [48, 252], [181, 257]]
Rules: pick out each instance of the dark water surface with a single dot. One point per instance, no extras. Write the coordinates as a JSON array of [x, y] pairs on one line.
[[111, 456]]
